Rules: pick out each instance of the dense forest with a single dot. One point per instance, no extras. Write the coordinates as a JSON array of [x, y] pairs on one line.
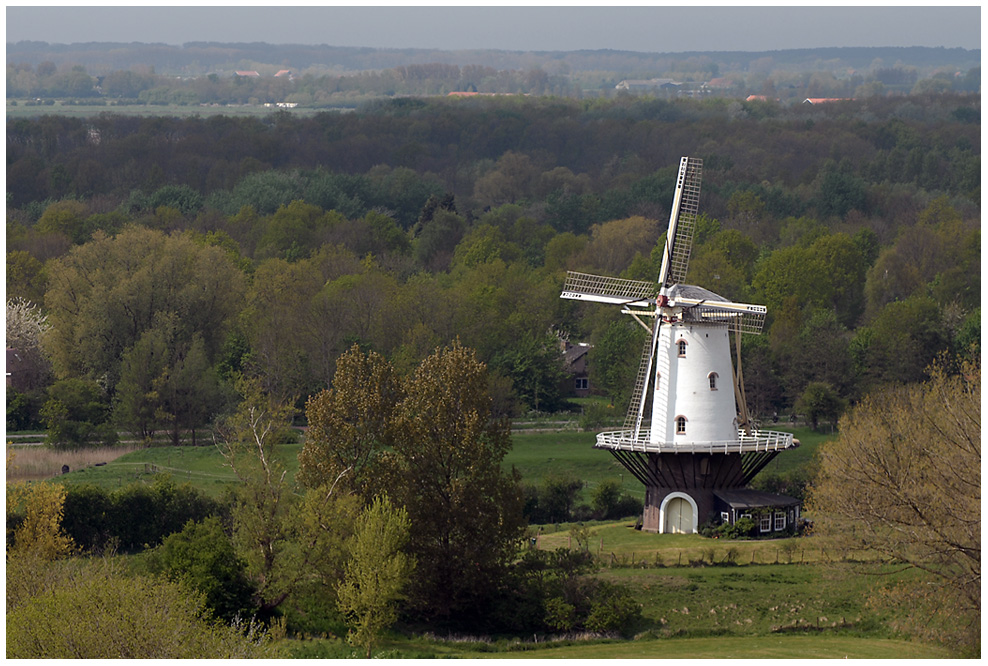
[[162, 257]]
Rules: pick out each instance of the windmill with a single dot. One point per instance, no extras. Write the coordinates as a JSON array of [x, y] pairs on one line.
[[687, 436]]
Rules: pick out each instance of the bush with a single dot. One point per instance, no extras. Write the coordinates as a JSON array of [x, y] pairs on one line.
[[23, 410], [202, 557], [609, 503], [613, 608], [97, 612], [595, 415]]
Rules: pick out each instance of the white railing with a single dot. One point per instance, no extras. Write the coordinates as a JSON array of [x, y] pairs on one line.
[[761, 440]]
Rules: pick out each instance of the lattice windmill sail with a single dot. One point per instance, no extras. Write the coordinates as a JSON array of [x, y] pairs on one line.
[[682, 402]]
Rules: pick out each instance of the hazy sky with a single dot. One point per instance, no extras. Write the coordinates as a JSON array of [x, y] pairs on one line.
[[515, 28]]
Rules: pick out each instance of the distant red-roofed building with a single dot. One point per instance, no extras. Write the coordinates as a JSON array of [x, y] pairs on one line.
[[285, 73], [245, 72]]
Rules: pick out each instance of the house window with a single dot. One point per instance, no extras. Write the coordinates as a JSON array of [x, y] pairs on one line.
[[713, 381], [681, 345], [582, 383], [780, 521], [725, 517], [680, 425], [765, 524]]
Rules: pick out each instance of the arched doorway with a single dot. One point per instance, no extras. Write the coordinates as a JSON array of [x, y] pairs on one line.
[[678, 515]]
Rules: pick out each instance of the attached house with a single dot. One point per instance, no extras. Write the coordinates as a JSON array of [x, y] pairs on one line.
[[772, 513]]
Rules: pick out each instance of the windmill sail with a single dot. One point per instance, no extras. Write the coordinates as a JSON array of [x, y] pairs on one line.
[[682, 219], [603, 289]]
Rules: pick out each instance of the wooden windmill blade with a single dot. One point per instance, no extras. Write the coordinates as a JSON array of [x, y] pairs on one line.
[[603, 289], [682, 222]]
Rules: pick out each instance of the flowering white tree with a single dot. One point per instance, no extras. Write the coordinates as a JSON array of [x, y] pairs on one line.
[[26, 329]]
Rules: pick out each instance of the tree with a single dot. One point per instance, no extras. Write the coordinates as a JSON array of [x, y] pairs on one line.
[[614, 358], [446, 470], [901, 342], [840, 190], [350, 423], [377, 572], [535, 366], [903, 479], [104, 295], [40, 531], [76, 413], [26, 329], [262, 525], [287, 541], [819, 400]]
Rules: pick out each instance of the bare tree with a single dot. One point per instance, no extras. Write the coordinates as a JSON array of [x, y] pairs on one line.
[[904, 480]]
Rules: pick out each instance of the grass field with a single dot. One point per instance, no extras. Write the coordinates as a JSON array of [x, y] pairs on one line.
[[738, 647], [535, 454]]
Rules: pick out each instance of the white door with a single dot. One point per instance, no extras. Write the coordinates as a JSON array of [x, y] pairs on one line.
[[679, 517]]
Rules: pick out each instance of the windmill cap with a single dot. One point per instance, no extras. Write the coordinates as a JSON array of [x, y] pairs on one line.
[[693, 291]]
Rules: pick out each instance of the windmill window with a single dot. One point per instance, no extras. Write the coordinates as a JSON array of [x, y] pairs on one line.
[[680, 425], [681, 345], [713, 380]]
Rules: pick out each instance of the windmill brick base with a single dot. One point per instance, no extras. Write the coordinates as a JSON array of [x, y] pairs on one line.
[[693, 478]]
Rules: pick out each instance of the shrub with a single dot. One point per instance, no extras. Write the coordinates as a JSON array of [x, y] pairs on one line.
[[202, 557], [595, 415], [100, 613], [612, 608]]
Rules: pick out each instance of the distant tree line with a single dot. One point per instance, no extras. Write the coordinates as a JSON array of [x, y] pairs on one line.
[[787, 76]]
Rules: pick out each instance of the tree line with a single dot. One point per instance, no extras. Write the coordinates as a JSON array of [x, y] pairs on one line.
[[591, 156]]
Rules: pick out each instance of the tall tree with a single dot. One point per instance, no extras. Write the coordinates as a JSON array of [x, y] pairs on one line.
[[446, 470], [286, 540], [350, 424]]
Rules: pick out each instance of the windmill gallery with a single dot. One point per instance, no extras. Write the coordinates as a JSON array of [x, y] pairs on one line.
[[688, 436]]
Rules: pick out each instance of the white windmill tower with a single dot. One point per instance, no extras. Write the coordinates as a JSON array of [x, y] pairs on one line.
[[687, 435]]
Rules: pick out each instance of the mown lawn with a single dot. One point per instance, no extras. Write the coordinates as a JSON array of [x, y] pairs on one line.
[[739, 647], [202, 466]]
